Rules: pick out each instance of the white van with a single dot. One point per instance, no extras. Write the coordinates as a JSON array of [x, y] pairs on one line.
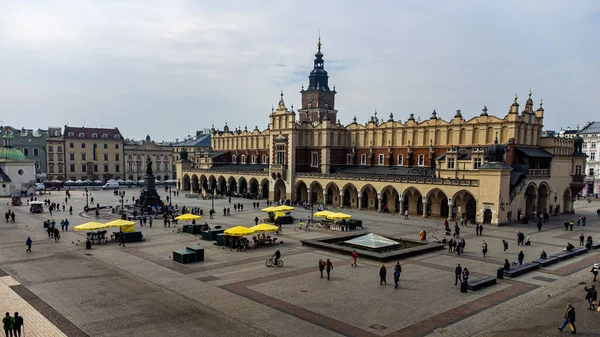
[[110, 185]]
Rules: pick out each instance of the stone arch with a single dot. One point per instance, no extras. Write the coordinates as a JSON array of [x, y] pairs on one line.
[[412, 201], [350, 196], [222, 185], [242, 185], [301, 191], [316, 193], [462, 136], [203, 182], [437, 203], [264, 184], [195, 184], [390, 199], [253, 187], [368, 197], [465, 205], [567, 201], [333, 195], [542, 198], [530, 199], [232, 185], [489, 135], [279, 193], [186, 182]]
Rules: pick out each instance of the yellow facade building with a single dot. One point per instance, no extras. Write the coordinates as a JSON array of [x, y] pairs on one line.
[[486, 168]]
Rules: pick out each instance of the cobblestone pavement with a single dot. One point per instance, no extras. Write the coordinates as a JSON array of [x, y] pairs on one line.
[[62, 289]]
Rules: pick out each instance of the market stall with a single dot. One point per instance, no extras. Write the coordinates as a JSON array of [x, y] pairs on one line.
[[36, 206], [235, 237]]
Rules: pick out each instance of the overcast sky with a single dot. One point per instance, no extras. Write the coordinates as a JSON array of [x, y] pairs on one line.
[[167, 68]]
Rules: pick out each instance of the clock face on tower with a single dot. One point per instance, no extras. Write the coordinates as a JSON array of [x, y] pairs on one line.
[[309, 97]]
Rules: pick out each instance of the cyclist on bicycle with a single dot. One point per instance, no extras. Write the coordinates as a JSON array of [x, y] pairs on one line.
[[277, 256]]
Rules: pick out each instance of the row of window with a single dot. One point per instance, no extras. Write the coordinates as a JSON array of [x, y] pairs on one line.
[[265, 159], [26, 152], [84, 168], [72, 146], [94, 157], [592, 145], [138, 167], [94, 135]]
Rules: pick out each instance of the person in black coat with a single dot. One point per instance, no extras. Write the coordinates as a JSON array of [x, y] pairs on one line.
[[569, 319], [506, 264], [591, 296], [382, 275], [457, 274]]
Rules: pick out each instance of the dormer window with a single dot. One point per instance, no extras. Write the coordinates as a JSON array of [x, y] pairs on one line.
[[117, 136], [104, 135], [81, 134], [233, 159], [71, 134], [94, 135]]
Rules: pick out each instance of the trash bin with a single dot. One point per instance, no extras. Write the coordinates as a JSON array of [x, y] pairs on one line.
[[463, 286], [500, 273], [88, 244]]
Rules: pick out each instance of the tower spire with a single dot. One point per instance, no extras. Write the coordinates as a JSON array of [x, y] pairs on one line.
[[319, 43]]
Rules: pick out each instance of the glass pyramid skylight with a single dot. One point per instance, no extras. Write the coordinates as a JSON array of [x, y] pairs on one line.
[[372, 241]]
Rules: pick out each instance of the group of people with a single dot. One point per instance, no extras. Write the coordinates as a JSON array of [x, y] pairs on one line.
[[383, 274], [9, 215], [461, 274], [327, 266], [457, 245], [13, 325]]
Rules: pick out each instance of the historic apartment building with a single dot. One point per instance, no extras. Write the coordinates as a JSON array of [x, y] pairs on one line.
[[195, 146], [490, 169], [161, 155], [33, 145], [591, 147], [81, 153]]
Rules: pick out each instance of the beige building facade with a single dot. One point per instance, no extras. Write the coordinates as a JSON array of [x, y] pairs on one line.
[[488, 169], [136, 153]]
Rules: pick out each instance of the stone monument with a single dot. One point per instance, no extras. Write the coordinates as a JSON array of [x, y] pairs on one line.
[[149, 197]]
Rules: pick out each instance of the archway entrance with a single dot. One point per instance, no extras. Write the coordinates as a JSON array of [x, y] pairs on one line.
[[195, 184], [369, 198], [333, 194], [279, 193], [567, 200], [437, 204], [390, 200], [243, 186], [466, 205], [186, 183], [316, 193], [542, 200], [222, 186], [350, 198], [413, 201], [265, 189], [530, 199], [253, 187], [301, 192], [232, 185]]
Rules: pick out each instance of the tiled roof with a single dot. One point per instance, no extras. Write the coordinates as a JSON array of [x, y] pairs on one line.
[[593, 127], [200, 141], [88, 133]]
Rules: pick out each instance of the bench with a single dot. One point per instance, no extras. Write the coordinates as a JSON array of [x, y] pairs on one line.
[[596, 245], [520, 270], [481, 283], [579, 251], [546, 262], [563, 256]]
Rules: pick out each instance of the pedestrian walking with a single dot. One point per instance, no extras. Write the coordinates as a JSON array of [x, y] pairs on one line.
[[17, 325], [571, 225], [328, 268], [594, 270], [255, 221], [321, 266], [581, 239], [397, 271], [382, 275], [539, 226], [354, 257], [8, 324], [456, 231], [457, 274], [591, 296], [406, 214], [484, 248], [28, 244], [480, 230], [450, 243], [569, 319], [122, 238], [465, 275], [520, 257], [583, 220], [505, 245], [12, 217]]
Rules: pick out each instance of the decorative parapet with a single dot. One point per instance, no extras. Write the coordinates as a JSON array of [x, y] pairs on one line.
[[538, 172], [213, 172], [399, 179]]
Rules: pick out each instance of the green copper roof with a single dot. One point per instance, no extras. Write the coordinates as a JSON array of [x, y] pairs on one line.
[[11, 153]]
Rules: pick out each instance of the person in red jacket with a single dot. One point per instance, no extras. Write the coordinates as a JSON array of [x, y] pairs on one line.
[[354, 257]]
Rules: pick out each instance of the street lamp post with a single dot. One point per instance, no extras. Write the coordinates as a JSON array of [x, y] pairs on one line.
[[122, 209], [87, 206], [212, 198], [170, 197]]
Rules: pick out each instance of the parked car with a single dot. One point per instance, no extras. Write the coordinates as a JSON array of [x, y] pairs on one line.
[[110, 185], [40, 187]]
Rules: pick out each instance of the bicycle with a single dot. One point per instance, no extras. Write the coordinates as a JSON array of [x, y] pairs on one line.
[[271, 261]]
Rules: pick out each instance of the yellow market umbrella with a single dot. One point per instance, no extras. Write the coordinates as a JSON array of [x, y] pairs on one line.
[[323, 214], [284, 208], [264, 227], [278, 214], [269, 209], [125, 225], [188, 217], [238, 231], [339, 216], [91, 226]]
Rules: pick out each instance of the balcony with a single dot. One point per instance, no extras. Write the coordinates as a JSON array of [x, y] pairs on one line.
[[538, 172]]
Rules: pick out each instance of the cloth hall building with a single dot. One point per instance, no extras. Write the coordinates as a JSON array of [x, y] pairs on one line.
[[486, 168]]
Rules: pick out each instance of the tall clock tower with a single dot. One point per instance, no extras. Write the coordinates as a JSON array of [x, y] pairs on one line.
[[318, 101]]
